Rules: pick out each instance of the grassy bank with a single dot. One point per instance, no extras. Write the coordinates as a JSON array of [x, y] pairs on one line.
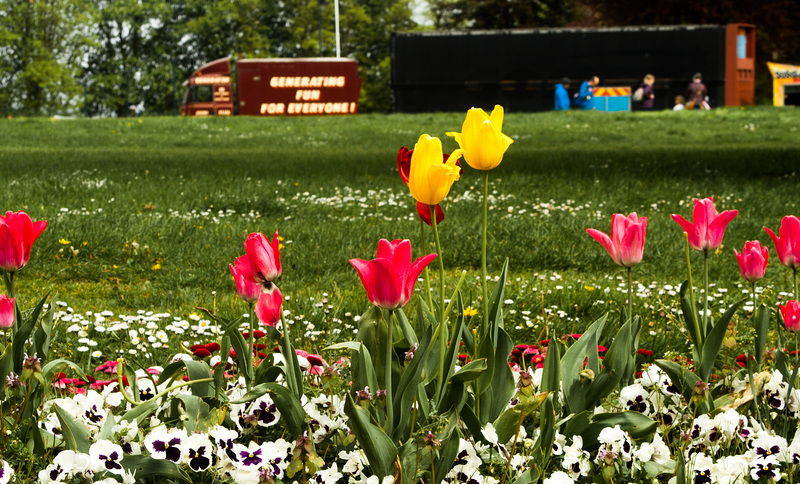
[[146, 214]]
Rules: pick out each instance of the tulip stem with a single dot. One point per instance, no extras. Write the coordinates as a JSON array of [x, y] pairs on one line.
[[441, 264], [705, 292], [754, 297], [794, 278], [442, 314], [251, 341], [9, 280], [388, 375], [425, 251], [630, 294], [699, 342], [484, 287]]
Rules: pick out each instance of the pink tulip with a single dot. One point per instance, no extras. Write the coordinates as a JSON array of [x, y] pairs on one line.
[[17, 235], [268, 307], [752, 260], [791, 315], [626, 243], [264, 257], [788, 244], [6, 311], [246, 286], [706, 232], [389, 278]]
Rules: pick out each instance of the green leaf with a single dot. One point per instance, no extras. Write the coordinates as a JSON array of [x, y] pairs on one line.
[[242, 350], [470, 371], [573, 385], [377, 446], [198, 413], [551, 373], [713, 342], [291, 409], [496, 304], [615, 364], [145, 467], [408, 387], [405, 326], [219, 371], [684, 380], [761, 326], [589, 426], [199, 370], [140, 412], [23, 333], [73, 431], [507, 423], [50, 369], [690, 318], [544, 444], [294, 378], [363, 371]]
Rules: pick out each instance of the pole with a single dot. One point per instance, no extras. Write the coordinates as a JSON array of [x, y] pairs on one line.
[[127, 92], [336, 20]]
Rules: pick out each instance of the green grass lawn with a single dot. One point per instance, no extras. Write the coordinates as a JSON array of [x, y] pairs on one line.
[[146, 214]]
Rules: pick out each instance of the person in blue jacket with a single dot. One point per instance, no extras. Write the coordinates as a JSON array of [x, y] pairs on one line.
[[562, 96], [583, 100]]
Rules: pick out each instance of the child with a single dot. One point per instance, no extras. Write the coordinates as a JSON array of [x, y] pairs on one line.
[[680, 102]]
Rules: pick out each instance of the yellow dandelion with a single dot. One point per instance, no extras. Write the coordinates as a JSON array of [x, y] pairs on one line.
[[470, 311], [157, 266], [588, 288], [64, 241]]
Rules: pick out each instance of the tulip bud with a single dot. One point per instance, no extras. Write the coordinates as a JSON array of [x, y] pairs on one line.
[[268, 307], [6, 311], [791, 315]]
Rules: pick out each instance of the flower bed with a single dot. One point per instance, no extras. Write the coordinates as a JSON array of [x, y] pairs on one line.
[[429, 397]]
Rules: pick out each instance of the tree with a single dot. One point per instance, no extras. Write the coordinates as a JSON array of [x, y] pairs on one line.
[[500, 14], [42, 44]]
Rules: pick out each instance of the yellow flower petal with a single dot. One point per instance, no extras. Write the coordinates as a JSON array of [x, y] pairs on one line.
[[429, 180], [482, 137]]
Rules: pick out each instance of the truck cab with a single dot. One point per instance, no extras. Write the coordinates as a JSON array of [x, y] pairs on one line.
[[209, 90]]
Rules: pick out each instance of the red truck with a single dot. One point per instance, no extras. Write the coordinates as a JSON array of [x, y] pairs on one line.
[[273, 87]]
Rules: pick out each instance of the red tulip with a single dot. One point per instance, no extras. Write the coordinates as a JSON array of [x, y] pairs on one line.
[[389, 278], [264, 257], [6, 311], [709, 226], [791, 315], [788, 244], [268, 307], [246, 286], [424, 212], [17, 235], [626, 243], [752, 260]]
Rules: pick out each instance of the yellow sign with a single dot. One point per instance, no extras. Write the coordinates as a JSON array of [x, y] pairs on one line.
[[612, 91], [782, 75]]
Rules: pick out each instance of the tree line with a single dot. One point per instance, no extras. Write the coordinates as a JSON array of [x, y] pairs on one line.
[[98, 56]]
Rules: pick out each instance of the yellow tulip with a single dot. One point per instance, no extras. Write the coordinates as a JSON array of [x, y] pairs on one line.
[[482, 138], [429, 179]]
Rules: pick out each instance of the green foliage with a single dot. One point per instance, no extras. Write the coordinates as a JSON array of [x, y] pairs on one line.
[[42, 44]]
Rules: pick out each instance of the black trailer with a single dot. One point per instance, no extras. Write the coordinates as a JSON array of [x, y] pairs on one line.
[[453, 71]]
